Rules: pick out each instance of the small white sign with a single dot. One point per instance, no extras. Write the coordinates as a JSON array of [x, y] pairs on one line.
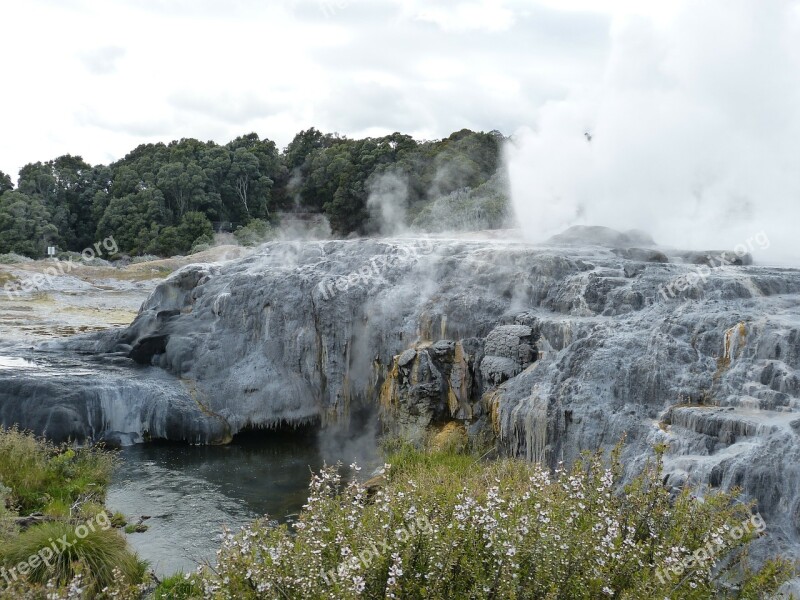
[[51, 251]]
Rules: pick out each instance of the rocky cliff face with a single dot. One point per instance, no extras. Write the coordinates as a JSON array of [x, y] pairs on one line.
[[553, 350]]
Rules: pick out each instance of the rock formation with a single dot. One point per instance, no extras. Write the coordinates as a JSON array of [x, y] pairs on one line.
[[552, 349]]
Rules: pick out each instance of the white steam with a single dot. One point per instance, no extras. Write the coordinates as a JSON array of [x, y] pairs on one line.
[[388, 203], [695, 134]]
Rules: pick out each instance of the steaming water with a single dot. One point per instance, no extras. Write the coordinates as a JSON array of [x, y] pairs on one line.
[[192, 492]]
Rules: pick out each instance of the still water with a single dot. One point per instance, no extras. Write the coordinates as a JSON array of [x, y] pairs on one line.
[[191, 492]]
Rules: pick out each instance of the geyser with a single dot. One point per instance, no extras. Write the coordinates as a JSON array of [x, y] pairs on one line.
[[694, 134]]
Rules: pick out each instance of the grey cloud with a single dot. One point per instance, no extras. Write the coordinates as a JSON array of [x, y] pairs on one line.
[[230, 108], [130, 126], [447, 101], [355, 107], [103, 61], [384, 39]]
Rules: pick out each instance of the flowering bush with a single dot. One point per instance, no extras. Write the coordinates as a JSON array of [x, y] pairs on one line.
[[443, 526]]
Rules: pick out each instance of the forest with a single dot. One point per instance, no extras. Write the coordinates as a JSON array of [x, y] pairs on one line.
[[167, 199]]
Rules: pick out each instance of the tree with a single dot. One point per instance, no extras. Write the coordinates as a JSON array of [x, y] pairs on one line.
[[183, 186], [194, 228], [251, 187], [5, 183], [155, 186], [25, 226], [303, 144], [61, 186], [132, 220]]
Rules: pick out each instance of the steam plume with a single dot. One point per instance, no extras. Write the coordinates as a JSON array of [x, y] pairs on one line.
[[695, 134]]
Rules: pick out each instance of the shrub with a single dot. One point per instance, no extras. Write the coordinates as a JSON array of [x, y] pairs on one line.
[[44, 477], [445, 526], [10, 258], [177, 587], [194, 228], [467, 209], [102, 556], [201, 244], [67, 485], [255, 232]]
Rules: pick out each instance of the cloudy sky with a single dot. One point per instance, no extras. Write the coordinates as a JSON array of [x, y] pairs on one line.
[[98, 77]]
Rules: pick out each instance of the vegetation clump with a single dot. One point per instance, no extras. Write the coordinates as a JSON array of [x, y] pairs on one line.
[[10, 258], [447, 526], [56, 539], [47, 478], [256, 232]]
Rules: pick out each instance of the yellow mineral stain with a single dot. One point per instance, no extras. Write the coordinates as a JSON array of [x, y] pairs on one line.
[[388, 395], [491, 401], [452, 437]]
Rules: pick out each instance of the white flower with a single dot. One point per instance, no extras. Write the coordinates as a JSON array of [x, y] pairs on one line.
[[358, 584]]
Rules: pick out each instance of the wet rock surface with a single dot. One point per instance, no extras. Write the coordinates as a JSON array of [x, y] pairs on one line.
[[553, 349]]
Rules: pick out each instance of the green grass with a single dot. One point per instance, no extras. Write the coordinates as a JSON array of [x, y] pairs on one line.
[[48, 478], [408, 460], [177, 587], [68, 486], [102, 554]]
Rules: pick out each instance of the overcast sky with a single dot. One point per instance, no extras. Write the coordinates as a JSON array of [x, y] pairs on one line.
[[98, 77]]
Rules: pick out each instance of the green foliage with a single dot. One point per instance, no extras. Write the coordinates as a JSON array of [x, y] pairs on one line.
[[178, 587], [202, 244], [66, 187], [194, 228], [485, 207], [5, 183], [11, 258], [75, 553], [42, 476], [335, 173], [448, 526], [255, 232], [144, 258], [102, 554], [118, 520], [143, 199], [132, 220], [24, 225]]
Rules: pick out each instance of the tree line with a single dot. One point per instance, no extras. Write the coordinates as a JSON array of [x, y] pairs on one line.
[[163, 198]]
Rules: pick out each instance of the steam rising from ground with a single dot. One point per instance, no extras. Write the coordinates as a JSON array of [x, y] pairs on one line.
[[388, 202], [695, 134]]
